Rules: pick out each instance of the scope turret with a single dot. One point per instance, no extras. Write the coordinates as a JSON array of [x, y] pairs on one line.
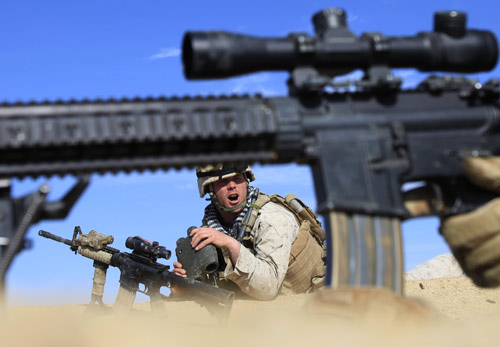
[[335, 50]]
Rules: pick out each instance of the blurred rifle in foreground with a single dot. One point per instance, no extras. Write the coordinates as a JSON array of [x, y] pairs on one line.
[[363, 141], [140, 267]]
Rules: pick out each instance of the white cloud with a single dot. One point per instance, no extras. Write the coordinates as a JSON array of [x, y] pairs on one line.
[[352, 18], [166, 53], [259, 83], [267, 84], [242, 84], [410, 77]]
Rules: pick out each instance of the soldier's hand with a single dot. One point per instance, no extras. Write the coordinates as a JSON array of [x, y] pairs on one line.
[[201, 237], [179, 270], [483, 172], [474, 239]]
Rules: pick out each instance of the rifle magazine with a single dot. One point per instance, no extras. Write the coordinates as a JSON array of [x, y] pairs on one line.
[[364, 251]]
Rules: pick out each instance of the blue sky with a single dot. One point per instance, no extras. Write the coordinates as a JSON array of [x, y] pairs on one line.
[[101, 49]]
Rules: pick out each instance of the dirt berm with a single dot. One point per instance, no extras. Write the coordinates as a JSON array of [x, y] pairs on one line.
[[437, 312]]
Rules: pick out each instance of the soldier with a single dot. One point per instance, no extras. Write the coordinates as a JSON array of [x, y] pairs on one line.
[[281, 252]]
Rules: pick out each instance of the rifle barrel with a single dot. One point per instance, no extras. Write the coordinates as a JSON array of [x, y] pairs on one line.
[[51, 236]]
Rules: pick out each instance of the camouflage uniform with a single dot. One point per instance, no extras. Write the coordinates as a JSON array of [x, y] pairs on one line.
[[260, 272]]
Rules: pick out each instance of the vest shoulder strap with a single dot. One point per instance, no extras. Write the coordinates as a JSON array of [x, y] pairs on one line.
[[262, 199], [300, 210]]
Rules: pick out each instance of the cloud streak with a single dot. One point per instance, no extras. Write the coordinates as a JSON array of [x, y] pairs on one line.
[[166, 53], [260, 83]]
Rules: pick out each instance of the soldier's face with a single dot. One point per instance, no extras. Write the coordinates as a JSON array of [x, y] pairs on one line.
[[231, 191]]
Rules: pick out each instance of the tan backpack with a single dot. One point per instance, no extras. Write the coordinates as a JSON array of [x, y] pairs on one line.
[[306, 266]]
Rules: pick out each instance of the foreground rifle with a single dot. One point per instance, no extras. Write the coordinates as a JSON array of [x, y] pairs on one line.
[[140, 267], [363, 142]]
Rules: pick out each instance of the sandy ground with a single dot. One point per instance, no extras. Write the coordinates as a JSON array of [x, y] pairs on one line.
[[444, 312]]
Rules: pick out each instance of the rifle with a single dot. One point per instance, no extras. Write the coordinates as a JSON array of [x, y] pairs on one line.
[[140, 267], [363, 141]]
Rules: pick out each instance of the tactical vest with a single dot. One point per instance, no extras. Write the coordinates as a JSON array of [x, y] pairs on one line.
[[306, 266]]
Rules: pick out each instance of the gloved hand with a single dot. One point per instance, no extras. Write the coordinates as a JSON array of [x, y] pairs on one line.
[[483, 172], [474, 237]]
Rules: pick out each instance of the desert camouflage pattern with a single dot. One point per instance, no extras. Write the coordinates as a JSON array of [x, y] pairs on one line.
[[306, 266], [261, 274]]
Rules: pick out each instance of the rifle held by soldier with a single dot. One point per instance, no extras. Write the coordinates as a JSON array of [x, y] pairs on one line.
[[140, 267]]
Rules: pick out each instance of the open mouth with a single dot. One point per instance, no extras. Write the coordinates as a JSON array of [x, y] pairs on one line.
[[233, 197]]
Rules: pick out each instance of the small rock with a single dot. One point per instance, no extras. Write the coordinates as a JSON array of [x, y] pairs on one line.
[[491, 301]]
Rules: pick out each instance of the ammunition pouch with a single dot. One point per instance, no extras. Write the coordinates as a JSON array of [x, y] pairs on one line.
[[306, 268]]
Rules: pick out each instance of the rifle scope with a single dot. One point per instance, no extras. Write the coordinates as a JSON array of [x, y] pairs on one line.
[[146, 248], [335, 50]]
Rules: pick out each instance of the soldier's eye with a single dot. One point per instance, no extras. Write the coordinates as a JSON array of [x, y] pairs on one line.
[[239, 179]]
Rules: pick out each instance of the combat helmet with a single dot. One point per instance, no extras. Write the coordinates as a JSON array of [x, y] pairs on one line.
[[208, 174]]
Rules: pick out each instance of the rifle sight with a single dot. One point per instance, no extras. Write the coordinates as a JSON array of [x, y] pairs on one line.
[[146, 248], [334, 50]]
